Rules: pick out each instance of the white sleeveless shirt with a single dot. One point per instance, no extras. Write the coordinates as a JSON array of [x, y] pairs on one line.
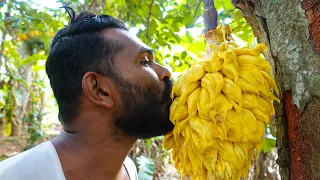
[[42, 163]]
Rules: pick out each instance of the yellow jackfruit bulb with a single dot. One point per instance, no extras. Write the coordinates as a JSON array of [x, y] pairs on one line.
[[204, 104], [193, 100], [258, 61], [180, 114], [176, 89], [178, 129], [220, 107], [270, 80], [173, 109], [207, 65], [246, 87], [232, 90], [251, 51], [195, 73], [230, 71], [261, 116], [168, 143], [228, 153], [197, 125], [186, 90], [216, 64]]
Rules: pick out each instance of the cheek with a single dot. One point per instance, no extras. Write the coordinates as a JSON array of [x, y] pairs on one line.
[[151, 73], [144, 75]]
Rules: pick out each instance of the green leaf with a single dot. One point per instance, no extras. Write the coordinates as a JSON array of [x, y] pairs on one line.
[[38, 68], [156, 10], [267, 144], [189, 37], [33, 59], [184, 54], [188, 20], [152, 27], [227, 5], [149, 146], [218, 4], [145, 168]]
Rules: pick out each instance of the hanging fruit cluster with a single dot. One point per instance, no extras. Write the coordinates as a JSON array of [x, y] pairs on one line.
[[220, 108]]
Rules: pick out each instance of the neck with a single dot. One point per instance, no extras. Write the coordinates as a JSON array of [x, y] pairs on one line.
[[91, 153]]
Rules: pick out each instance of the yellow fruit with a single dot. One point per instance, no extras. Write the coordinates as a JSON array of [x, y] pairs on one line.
[[204, 104], [173, 109], [186, 90], [168, 142], [258, 61], [270, 80], [180, 114], [220, 108], [207, 66], [221, 105], [214, 83], [251, 51], [254, 71], [193, 100], [197, 125], [216, 64], [178, 129], [246, 87], [176, 89], [195, 73], [261, 116], [230, 70], [232, 91]]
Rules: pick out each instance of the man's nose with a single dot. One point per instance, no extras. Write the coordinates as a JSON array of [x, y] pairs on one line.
[[162, 72]]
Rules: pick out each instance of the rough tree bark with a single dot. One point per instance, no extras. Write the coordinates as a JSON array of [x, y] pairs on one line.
[[291, 29]]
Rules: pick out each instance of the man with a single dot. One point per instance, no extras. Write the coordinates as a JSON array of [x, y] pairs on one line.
[[110, 91]]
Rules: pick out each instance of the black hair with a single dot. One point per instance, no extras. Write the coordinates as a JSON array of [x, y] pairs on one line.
[[76, 49]]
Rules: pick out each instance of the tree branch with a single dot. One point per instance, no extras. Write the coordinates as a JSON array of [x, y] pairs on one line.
[[149, 15], [195, 12], [210, 15]]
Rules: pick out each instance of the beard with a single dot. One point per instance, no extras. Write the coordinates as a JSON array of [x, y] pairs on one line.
[[145, 110]]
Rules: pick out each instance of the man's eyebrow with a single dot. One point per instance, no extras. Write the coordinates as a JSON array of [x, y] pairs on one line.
[[146, 50]]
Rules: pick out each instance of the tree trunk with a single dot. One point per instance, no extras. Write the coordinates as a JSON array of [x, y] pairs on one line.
[[291, 29], [20, 109]]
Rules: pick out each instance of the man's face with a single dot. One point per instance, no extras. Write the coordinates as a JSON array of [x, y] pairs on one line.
[[144, 87]]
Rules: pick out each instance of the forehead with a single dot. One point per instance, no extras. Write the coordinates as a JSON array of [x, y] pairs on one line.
[[128, 40]]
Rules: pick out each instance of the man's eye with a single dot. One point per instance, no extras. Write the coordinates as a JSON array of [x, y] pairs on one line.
[[146, 62]]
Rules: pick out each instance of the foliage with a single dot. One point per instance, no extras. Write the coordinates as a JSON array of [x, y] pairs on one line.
[[145, 167], [26, 32], [171, 28]]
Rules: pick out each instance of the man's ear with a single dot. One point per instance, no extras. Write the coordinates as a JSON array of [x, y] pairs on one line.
[[98, 89]]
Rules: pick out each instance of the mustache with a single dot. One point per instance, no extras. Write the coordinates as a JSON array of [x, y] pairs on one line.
[[167, 89]]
